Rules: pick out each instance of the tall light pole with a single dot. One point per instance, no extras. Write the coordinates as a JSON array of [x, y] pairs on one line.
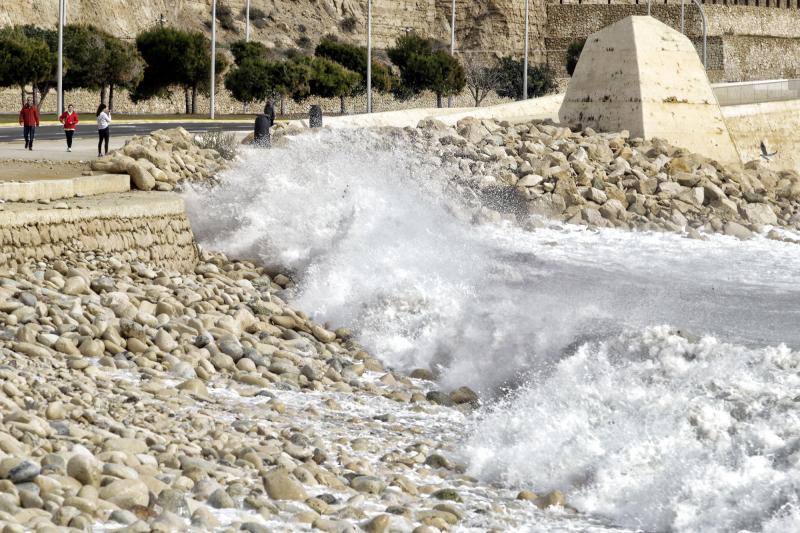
[[452, 41], [369, 56], [525, 61], [213, 54], [247, 21], [60, 68]]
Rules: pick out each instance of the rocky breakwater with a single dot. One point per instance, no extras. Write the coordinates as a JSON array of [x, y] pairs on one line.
[[151, 400], [159, 160], [611, 179]]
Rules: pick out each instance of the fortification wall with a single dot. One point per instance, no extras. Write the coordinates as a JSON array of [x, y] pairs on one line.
[[744, 43], [754, 57], [148, 227]]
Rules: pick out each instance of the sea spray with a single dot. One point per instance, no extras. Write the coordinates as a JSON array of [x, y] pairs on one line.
[[379, 241], [655, 431], [627, 419]]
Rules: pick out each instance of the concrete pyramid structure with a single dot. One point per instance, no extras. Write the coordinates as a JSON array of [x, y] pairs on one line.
[[642, 76]]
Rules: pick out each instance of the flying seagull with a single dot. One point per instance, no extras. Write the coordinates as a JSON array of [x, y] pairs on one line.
[[764, 154]]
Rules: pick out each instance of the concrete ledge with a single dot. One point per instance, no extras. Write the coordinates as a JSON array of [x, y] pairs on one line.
[[130, 205], [535, 108], [32, 191]]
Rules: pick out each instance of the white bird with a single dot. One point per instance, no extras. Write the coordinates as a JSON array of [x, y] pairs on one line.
[[764, 154]]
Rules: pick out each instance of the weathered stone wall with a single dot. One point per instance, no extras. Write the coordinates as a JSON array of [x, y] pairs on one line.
[[726, 3], [745, 42], [715, 52], [147, 227], [755, 57]]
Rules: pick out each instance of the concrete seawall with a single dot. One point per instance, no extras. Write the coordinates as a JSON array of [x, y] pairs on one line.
[[32, 191], [776, 123], [148, 227]]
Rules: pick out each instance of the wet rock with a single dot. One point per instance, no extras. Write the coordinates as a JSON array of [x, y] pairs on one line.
[[281, 485], [550, 499], [368, 484], [439, 397], [378, 524], [735, 229], [464, 395], [219, 499], [422, 373], [125, 493], [447, 494]]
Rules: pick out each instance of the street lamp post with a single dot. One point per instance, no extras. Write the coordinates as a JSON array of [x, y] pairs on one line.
[[60, 68], [452, 41], [213, 54], [247, 21], [525, 61], [369, 56]]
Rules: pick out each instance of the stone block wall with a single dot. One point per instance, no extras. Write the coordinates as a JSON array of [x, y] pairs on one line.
[[754, 57], [147, 227], [745, 42], [715, 52]]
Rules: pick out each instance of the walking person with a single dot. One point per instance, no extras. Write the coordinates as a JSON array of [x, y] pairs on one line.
[[103, 129], [29, 120], [69, 119]]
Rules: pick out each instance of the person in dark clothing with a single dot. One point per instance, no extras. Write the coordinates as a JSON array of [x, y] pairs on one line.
[[29, 120], [261, 135], [103, 129], [269, 110]]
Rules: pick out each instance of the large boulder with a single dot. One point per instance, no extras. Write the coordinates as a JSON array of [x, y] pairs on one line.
[[759, 214], [141, 178]]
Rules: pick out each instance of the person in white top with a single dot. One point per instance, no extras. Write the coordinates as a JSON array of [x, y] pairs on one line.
[[103, 130]]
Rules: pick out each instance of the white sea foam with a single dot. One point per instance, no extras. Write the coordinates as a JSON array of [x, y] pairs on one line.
[[656, 431], [636, 423]]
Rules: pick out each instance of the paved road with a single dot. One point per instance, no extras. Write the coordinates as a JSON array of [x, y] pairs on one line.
[[14, 133]]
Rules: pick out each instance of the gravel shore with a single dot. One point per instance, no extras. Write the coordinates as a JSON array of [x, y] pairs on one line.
[[143, 400]]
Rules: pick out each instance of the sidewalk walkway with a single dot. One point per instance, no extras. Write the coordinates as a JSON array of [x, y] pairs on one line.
[[83, 149]]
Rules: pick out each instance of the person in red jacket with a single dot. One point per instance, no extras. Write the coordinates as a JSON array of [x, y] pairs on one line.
[[29, 120], [69, 119]]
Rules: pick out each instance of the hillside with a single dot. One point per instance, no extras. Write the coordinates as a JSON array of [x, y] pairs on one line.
[[493, 26]]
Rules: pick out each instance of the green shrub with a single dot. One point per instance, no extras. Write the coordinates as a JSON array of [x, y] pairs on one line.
[[225, 17], [255, 13], [424, 64], [508, 71], [573, 54], [348, 24], [304, 42], [224, 143]]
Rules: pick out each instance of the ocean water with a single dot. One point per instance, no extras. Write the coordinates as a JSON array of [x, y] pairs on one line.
[[651, 377]]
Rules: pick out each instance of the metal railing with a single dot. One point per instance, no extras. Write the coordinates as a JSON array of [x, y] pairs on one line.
[[754, 92]]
